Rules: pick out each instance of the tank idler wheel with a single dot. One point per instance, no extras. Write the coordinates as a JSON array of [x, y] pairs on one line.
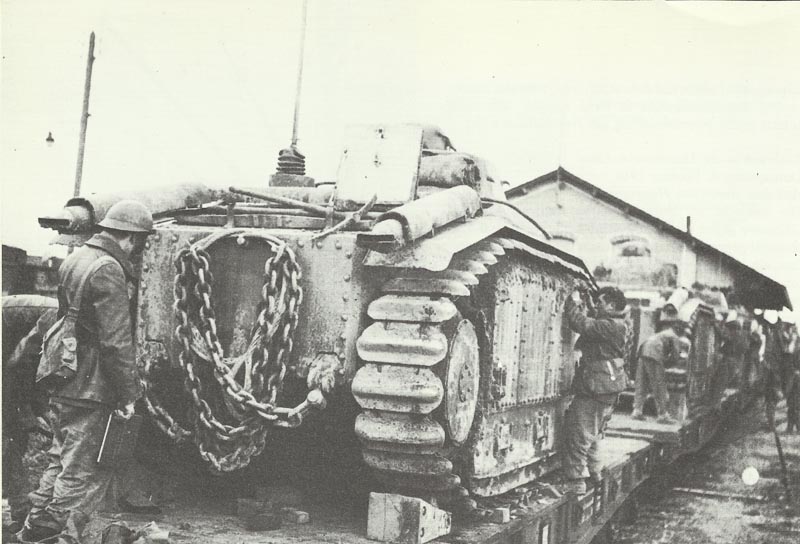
[[461, 383]]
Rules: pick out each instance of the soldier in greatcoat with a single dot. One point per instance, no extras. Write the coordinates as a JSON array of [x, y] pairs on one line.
[[73, 484]]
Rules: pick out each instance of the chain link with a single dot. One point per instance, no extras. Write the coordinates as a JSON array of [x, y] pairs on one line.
[[224, 446]]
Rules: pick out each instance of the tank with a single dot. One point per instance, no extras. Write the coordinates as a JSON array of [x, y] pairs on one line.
[[405, 297], [698, 382]]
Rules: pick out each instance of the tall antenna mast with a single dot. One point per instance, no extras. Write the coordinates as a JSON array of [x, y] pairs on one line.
[[299, 74], [291, 163], [87, 87]]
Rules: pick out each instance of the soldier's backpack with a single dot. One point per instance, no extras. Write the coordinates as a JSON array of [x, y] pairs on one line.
[[59, 362], [605, 377]]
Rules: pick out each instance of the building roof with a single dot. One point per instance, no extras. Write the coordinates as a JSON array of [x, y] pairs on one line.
[[762, 291]]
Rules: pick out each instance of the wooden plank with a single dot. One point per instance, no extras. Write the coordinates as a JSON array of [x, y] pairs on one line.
[[407, 520]]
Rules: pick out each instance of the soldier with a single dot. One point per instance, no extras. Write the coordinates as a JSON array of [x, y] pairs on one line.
[[772, 380], [658, 352], [786, 337], [793, 397], [599, 379], [751, 374], [73, 485], [25, 320], [734, 350]]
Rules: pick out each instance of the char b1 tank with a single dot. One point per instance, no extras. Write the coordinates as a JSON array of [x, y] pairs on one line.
[[408, 286], [704, 369]]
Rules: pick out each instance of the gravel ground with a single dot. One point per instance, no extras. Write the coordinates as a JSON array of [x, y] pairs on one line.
[[668, 515]]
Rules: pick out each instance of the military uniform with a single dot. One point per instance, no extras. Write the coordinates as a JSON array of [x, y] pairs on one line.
[[752, 360], [602, 343], [786, 337], [658, 351], [772, 378], [73, 486], [793, 401], [733, 350]]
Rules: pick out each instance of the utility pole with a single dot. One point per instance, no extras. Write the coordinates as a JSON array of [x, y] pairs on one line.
[[84, 116]]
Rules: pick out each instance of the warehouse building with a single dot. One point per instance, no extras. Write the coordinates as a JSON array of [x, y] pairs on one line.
[[627, 246]]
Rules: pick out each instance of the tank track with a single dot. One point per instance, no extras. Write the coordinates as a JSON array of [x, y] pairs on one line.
[[401, 386]]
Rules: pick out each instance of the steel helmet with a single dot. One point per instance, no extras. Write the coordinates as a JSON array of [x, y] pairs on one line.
[[128, 216]]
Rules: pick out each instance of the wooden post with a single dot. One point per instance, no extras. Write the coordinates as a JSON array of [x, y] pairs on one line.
[[84, 116], [784, 471]]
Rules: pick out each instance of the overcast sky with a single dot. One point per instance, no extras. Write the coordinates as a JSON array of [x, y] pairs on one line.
[[680, 109]]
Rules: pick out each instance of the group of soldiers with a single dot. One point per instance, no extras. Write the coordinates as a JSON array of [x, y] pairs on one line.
[[764, 359], [762, 355], [778, 351]]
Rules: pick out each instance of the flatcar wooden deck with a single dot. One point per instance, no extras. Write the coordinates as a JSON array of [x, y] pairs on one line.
[[632, 452]]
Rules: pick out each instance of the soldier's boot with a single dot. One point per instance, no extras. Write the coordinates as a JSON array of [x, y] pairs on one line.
[[36, 533], [666, 419], [19, 513], [39, 527], [10, 533], [638, 415]]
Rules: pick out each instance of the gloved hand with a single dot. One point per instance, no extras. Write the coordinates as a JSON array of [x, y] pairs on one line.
[[126, 411]]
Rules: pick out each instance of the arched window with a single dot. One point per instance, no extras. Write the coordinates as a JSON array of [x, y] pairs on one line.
[[630, 245], [562, 237]]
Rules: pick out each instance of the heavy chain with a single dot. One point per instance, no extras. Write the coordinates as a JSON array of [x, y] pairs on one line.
[[252, 406], [162, 418]]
